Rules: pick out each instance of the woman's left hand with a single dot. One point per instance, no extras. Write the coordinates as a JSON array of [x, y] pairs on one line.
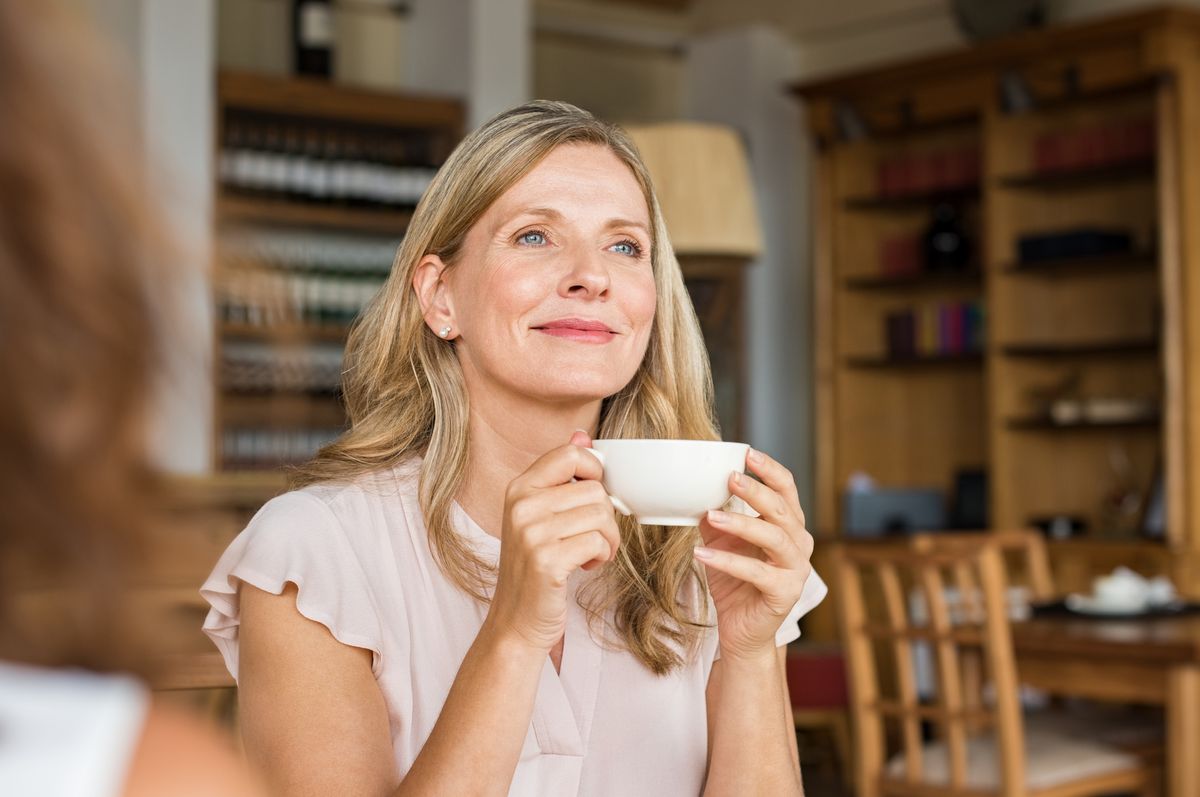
[[757, 567]]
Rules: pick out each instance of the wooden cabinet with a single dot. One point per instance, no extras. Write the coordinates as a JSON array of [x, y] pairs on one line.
[[1084, 387]]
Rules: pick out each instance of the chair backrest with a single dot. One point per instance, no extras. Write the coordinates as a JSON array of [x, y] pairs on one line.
[[1024, 552], [879, 624]]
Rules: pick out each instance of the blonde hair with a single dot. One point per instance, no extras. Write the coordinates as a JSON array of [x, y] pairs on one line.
[[405, 395]]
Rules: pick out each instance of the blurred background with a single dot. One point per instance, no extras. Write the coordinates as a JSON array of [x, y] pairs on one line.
[[940, 250]]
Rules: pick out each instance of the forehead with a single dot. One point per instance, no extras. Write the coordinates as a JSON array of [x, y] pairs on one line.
[[577, 179]]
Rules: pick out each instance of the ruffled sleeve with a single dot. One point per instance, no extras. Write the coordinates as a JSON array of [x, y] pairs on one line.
[[294, 538]]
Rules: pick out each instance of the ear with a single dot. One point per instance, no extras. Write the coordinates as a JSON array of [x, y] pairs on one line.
[[433, 295]]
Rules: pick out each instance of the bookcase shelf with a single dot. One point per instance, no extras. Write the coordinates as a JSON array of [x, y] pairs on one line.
[[1112, 348], [1113, 149], [326, 175], [1136, 262], [883, 282], [237, 209], [1081, 177], [913, 200]]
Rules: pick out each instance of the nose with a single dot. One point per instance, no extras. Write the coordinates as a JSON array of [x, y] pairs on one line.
[[587, 278]]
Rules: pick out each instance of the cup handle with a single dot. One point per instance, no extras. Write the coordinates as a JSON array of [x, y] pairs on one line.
[[617, 503]]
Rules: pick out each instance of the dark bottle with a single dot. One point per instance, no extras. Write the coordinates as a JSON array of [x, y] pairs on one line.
[[946, 246], [312, 37]]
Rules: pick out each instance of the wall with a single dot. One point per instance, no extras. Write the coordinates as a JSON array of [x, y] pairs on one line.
[[168, 45], [254, 35]]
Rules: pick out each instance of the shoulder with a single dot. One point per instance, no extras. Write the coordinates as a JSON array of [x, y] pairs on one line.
[[181, 756], [353, 506]]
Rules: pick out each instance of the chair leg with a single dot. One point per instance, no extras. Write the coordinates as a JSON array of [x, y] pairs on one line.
[[840, 729]]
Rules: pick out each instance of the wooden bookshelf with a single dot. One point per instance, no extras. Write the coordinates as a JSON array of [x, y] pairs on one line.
[[1124, 325], [235, 210], [313, 110]]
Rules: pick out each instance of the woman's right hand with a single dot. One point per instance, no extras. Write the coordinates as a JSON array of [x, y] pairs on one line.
[[557, 518]]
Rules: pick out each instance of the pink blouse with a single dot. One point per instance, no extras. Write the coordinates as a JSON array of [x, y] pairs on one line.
[[359, 557]]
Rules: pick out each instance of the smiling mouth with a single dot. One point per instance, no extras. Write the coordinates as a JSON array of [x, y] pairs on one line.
[[578, 330]]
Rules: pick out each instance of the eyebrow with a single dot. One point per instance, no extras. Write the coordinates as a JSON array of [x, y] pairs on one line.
[[551, 213]]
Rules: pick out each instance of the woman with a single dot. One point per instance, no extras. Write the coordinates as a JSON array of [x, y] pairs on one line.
[[76, 321], [448, 605]]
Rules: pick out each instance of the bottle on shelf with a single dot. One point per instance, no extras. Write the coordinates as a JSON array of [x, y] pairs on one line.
[[312, 37]]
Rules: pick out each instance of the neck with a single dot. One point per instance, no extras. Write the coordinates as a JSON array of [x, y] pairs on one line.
[[506, 435]]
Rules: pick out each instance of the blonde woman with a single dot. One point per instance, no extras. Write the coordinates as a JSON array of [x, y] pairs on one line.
[[448, 605]]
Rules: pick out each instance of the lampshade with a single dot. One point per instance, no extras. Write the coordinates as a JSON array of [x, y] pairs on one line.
[[703, 183]]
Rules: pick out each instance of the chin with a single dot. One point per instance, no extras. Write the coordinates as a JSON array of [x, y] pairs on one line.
[[560, 386]]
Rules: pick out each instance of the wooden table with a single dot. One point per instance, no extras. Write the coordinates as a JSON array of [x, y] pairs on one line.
[[1153, 661]]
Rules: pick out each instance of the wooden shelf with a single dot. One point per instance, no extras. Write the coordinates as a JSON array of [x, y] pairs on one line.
[[921, 361], [309, 98], [282, 212], [907, 201], [1050, 425], [1122, 262], [910, 281], [1082, 178], [280, 410], [1086, 349], [285, 333]]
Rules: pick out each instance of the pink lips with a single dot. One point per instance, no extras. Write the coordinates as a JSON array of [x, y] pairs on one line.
[[578, 329]]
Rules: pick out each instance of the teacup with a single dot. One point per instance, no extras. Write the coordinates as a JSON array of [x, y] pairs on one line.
[[669, 482]]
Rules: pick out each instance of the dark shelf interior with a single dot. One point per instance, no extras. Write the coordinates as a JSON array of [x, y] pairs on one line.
[[922, 279], [1079, 178], [918, 361], [1049, 424], [906, 201], [1097, 348], [1146, 261]]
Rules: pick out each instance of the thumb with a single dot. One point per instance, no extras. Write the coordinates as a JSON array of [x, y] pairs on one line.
[[581, 438]]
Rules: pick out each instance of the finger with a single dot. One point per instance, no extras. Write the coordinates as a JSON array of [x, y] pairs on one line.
[[573, 494], [586, 519], [766, 578], [719, 540], [766, 502], [583, 550], [772, 539], [559, 466], [775, 476]]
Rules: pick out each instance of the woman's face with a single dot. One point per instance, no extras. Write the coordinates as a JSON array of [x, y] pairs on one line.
[[553, 296]]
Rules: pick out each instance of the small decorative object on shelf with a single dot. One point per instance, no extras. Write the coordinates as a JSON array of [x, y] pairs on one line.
[[946, 245], [312, 37]]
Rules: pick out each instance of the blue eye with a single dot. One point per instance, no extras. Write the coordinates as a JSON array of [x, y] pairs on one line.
[[532, 238], [630, 248]]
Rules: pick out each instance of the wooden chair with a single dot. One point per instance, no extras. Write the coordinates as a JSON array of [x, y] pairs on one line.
[[816, 677], [982, 747]]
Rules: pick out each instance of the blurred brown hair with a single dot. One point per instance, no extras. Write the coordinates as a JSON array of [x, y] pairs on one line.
[[77, 329]]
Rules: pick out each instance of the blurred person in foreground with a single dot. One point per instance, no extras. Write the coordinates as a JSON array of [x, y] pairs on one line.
[[79, 249], [448, 605]]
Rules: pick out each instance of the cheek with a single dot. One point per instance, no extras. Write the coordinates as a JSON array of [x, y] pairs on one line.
[[641, 299]]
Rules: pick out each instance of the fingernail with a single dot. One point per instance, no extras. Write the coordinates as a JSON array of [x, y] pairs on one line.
[[717, 516], [702, 552], [756, 456], [737, 477]]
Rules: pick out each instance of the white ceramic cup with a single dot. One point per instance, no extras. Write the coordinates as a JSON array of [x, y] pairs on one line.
[[668, 482]]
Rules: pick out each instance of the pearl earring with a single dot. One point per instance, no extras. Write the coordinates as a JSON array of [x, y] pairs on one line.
[[445, 332]]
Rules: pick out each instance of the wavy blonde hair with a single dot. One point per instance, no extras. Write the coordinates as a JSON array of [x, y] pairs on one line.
[[405, 395]]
